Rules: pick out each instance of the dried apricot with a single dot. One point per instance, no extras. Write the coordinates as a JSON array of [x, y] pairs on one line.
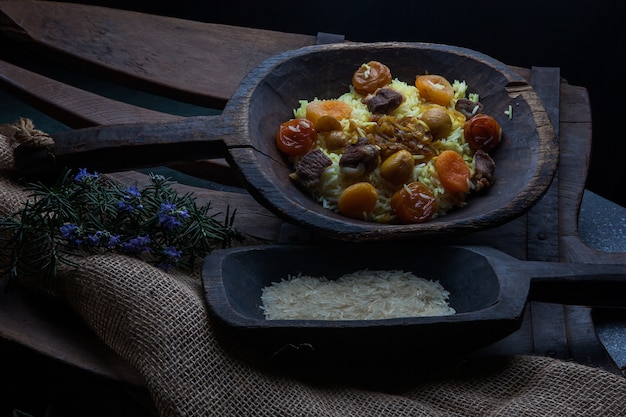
[[414, 203], [434, 89], [370, 77], [453, 172], [358, 200], [296, 137], [482, 132], [326, 115]]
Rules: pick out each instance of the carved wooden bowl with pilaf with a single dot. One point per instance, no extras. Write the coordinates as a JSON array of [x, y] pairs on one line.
[[526, 159]]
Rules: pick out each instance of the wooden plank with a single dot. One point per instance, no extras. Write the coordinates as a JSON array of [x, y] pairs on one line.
[[78, 108], [577, 128], [543, 218], [70, 105], [195, 62], [548, 327]]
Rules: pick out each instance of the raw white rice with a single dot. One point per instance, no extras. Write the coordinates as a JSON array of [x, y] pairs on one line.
[[362, 295]]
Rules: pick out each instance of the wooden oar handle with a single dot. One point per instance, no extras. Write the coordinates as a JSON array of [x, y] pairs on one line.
[[579, 284], [128, 146]]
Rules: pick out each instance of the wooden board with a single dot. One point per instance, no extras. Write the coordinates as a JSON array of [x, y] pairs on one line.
[[70, 105], [137, 61], [526, 158], [201, 63]]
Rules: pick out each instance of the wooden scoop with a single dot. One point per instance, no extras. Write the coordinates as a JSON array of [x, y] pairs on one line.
[[488, 289], [244, 135]]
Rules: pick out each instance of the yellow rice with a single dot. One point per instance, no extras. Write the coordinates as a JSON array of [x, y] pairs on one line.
[[331, 184]]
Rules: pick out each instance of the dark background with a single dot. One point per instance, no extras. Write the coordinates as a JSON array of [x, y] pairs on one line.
[[585, 38]]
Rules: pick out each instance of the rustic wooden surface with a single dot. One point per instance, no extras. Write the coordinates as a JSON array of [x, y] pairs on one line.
[[548, 329], [526, 158], [69, 104], [190, 61]]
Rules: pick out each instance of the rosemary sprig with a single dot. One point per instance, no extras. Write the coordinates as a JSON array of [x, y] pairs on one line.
[[86, 213]]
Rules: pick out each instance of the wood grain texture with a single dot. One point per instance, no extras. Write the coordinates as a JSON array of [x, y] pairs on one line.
[[70, 105], [78, 108], [488, 306], [200, 63], [66, 340], [543, 219], [576, 133], [52, 329], [526, 160]]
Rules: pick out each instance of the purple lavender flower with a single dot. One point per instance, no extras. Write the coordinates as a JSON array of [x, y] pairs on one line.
[[114, 241], [130, 201], [168, 221], [67, 230], [125, 206], [84, 176], [71, 233], [172, 255], [133, 191], [103, 239], [171, 252], [170, 215], [168, 207], [138, 245], [95, 239]]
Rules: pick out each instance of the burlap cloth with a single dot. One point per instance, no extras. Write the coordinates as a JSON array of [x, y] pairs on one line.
[[158, 322]]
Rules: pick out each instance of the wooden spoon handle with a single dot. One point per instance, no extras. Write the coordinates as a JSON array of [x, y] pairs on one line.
[[128, 146], [579, 284]]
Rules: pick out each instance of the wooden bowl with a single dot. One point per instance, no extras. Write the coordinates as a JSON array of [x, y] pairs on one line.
[[244, 133], [526, 160], [488, 289]]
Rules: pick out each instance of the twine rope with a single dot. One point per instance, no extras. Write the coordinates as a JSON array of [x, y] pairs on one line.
[[27, 135]]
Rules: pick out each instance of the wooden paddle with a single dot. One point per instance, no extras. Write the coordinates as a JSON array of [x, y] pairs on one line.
[[200, 63], [216, 72], [73, 106]]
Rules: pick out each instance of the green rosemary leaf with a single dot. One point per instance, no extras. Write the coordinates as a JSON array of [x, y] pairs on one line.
[[83, 213]]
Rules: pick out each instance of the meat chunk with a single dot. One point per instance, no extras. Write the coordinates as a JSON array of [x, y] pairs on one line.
[[359, 158], [484, 167], [310, 168], [468, 107], [383, 101]]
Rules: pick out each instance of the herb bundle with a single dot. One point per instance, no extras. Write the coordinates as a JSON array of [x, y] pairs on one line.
[[86, 213]]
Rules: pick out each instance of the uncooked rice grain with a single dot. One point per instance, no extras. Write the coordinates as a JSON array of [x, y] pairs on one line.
[[361, 295]]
